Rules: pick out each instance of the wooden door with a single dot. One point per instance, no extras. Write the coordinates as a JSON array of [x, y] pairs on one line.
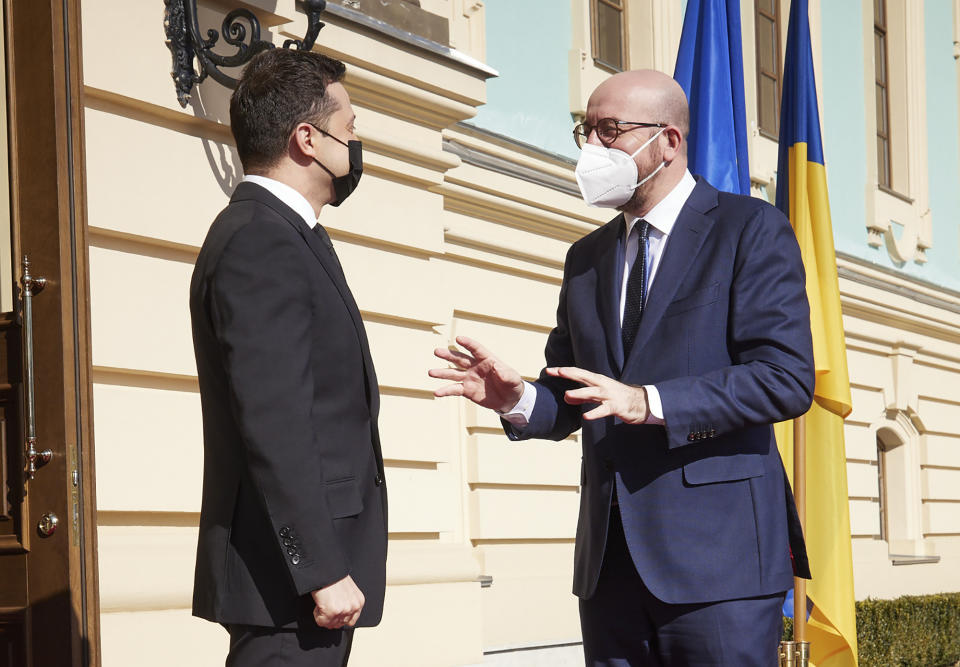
[[48, 604]]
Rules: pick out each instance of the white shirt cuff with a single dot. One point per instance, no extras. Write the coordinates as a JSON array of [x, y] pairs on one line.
[[519, 416], [655, 405]]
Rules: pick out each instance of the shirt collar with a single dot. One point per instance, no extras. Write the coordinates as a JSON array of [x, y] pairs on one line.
[[287, 195], [663, 216]]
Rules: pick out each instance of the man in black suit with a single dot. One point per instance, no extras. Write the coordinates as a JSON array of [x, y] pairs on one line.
[[293, 526]]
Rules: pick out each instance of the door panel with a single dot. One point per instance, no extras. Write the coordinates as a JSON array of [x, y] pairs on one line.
[[48, 606]]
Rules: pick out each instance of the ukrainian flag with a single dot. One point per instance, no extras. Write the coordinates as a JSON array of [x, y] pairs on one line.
[[802, 196]]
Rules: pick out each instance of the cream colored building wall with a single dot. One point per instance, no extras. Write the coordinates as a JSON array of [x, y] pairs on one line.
[[453, 231], [903, 341], [432, 247], [903, 347]]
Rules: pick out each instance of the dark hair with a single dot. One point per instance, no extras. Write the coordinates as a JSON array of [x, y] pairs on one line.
[[279, 89]]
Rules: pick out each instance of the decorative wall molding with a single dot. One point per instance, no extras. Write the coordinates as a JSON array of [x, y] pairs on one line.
[[168, 552], [359, 22], [895, 282], [486, 206], [900, 220], [508, 168], [915, 236]]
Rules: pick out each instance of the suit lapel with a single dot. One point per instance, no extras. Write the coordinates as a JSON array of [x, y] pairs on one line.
[[333, 269], [332, 266], [609, 278], [683, 246]]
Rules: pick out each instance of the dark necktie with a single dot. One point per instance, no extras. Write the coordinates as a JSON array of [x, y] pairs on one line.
[[322, 233], [636, 289]]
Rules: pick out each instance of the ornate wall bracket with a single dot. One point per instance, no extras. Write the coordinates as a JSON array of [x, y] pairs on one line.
[[240, 29], [910, 245]]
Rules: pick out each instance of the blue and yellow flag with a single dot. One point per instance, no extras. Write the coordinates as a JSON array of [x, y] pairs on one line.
[[710, 71], [802, 196]]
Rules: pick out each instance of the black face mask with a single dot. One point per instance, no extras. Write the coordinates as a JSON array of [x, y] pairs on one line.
[[343, 186]]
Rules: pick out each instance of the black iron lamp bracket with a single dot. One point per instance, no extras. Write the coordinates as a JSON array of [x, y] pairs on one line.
[[240, 29]]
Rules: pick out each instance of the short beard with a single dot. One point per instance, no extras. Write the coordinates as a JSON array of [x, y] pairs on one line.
[[638, 200], [635, 202]]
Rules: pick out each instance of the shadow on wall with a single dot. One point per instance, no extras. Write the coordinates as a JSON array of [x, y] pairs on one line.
[[222, 157], [210, 101]]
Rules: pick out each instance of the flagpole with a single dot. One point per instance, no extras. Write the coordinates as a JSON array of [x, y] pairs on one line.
[[800, 495]]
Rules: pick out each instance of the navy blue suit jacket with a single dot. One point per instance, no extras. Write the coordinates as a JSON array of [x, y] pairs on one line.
[[725, 337]]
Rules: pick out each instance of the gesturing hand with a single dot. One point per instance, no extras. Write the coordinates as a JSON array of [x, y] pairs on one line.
[[479, 376], [338, 604], [615, 398]]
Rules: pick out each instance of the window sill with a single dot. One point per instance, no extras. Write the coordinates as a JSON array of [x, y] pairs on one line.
[[903, 559], [893, 193], [607, 67]]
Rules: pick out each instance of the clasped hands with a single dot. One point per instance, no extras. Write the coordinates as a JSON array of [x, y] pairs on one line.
[[484, 379]]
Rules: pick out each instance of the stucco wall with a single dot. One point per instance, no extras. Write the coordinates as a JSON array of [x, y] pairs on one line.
[[460, 226]]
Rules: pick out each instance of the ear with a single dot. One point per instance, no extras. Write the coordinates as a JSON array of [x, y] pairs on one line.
[[674, 142], [303, 141]]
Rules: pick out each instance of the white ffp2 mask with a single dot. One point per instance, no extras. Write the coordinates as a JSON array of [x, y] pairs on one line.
[[607, 176]]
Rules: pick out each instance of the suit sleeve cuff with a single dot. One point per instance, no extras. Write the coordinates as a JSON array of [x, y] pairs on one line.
[[519, 415], [655, 405]]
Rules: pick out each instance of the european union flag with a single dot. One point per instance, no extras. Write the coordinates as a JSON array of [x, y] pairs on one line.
[[710, 70]]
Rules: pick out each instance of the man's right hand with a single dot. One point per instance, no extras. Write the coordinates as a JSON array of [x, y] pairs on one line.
[[338, 604], [479, 376]]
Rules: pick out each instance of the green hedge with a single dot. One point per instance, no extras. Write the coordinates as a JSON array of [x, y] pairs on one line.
[[911, 631]]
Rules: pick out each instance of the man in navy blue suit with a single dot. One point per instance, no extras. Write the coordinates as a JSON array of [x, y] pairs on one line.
[[682, 335]]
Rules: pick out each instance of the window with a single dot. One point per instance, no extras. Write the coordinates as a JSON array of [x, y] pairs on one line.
[[881, 69], [608, 35], [882, 489], [898, 212], [768, 66], [900, 493]]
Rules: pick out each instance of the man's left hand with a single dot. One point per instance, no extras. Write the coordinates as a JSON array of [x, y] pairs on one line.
[[613, 398]]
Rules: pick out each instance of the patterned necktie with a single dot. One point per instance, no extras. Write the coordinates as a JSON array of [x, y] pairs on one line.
[[636, 289]]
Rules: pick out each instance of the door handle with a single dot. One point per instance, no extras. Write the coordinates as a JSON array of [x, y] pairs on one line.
[[31, 286]]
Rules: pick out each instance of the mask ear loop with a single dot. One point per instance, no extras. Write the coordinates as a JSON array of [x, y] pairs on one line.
[[654, 172], [322, 131], [650, 175], [647, 142]]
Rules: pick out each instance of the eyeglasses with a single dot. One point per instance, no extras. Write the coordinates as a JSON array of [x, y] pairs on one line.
[[608, 130]]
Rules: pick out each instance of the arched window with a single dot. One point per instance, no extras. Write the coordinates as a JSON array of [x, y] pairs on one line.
[[899, 486]]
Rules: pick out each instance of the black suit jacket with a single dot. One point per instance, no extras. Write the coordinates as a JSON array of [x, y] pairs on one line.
[[293, 487]]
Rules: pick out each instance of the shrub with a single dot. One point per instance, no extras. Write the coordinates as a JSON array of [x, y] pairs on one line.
[[910, 631]]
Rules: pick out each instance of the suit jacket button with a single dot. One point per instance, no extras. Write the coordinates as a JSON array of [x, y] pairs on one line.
[[284, 532], [691, 437], [378, 480], [713, 433], [295, 559]]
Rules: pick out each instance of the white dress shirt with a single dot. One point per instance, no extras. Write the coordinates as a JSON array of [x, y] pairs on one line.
[[288, 196], [661, 219]]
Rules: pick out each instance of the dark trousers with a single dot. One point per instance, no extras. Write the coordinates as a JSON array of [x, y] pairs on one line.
[[254, 646], [624, 625]]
